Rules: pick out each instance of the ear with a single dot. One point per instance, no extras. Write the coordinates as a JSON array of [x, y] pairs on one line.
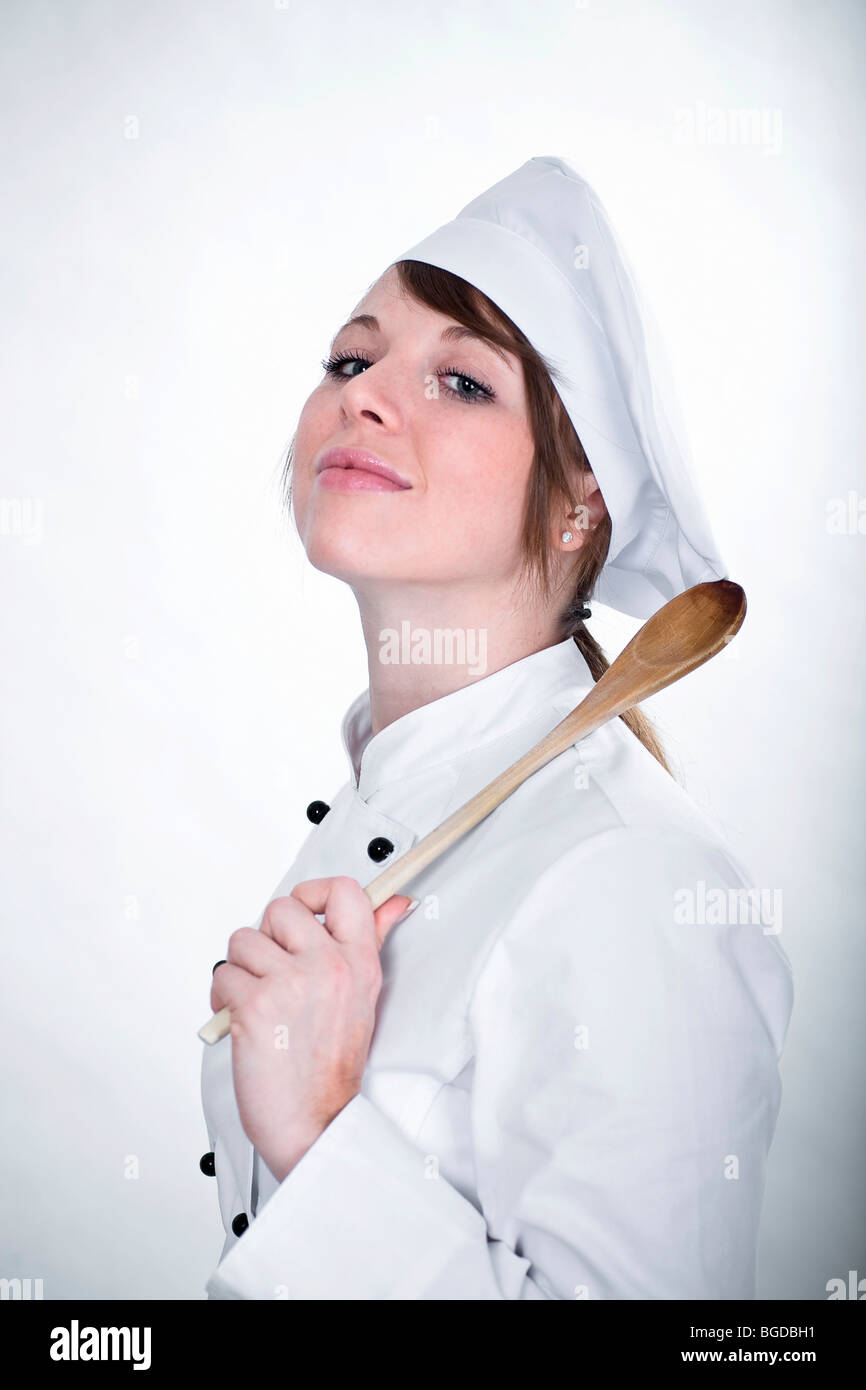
[[590, 496], [589, 509]]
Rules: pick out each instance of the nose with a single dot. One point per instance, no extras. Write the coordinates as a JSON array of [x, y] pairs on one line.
[[373, 395]]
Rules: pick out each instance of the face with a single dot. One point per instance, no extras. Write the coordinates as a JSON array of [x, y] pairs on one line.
[[449, 417]]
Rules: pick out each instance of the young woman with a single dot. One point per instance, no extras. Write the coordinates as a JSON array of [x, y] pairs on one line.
[[557, 1077]]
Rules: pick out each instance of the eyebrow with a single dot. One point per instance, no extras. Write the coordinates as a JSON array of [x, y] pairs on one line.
[[457, 333]]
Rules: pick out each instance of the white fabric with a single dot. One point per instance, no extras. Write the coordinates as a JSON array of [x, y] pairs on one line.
[[495, 1150], [540, 244]]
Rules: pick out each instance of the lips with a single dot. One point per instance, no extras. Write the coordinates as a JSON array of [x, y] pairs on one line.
[[360, 461]]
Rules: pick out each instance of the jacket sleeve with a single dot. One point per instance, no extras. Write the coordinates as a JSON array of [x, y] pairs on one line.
[[628, 1021]]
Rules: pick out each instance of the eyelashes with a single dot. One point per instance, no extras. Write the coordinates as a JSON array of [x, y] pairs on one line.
[[482, 391]]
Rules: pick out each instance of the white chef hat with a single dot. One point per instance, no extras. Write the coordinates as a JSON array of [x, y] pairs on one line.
[[540, 245]]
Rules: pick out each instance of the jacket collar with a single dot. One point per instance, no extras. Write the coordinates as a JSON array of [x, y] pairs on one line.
[[456, 724]]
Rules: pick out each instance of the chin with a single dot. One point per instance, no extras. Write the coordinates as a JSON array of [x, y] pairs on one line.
[[347, 558]]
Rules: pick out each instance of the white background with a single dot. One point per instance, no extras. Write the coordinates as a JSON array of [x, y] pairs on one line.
[[196, 194]]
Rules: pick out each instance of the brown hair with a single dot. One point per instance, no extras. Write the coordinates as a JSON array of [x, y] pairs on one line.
[[558, 451]]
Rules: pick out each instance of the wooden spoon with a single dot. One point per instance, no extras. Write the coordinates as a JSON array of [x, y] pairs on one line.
[[681, 636]]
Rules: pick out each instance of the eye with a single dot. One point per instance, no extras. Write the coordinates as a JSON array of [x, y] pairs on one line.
[[333, 364], [467, 389]]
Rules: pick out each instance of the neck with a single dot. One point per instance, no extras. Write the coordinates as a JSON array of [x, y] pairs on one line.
[[425, 643]]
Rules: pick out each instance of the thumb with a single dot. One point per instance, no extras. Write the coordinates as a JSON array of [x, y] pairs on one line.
[[389, 914]]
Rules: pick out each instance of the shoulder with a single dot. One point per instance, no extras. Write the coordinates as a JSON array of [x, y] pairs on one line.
[[609, 781], [629, 872], [652, 922]]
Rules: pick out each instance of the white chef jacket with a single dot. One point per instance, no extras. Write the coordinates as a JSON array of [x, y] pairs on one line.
[[569, 1092]]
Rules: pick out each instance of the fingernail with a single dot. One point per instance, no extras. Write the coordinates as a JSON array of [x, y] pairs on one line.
[[409, 910]]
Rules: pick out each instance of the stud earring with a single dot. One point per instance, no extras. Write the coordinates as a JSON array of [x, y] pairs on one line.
[[567, 536]]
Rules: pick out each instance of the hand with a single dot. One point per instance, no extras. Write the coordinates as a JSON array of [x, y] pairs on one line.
[[302, 998]]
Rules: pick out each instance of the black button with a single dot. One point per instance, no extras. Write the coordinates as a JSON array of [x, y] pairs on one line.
[[239, 1225], [379, 848], [207, 1165], [317, 810], [219, 962]]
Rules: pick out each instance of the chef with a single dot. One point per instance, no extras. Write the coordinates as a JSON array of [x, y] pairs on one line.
[[538, 1077]]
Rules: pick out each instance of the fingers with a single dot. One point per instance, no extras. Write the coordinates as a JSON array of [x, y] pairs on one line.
[[389, 914], [291, 924], [255, 951], [347, 909], [231, 987], [250, 954]]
